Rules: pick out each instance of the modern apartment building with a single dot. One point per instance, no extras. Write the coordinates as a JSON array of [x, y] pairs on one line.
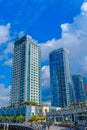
[[79, 87], [26, 84], [62, 94]]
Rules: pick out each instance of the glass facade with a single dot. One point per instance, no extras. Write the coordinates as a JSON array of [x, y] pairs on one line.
[[26, 71], [62, 94], [79, 87], [86, 90], [26, 111]]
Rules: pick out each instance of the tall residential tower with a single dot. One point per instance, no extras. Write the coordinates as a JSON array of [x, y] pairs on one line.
[[26, 84], [62, 94]]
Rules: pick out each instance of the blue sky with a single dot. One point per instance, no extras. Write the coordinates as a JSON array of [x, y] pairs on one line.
[[54, 24]]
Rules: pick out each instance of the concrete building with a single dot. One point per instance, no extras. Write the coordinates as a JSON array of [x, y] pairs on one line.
[[79, 87], [43, 110], [26, 84], [62, 94]]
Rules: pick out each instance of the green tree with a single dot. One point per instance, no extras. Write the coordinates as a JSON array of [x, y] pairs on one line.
[[10, 118], [36, 118], [20, 118], [33, 103], [43, 117], [2, 118]]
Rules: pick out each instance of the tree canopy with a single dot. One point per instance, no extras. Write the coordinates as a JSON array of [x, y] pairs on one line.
[[33, 103], [36, 118]]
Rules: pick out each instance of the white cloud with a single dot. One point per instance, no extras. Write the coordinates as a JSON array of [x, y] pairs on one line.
[[4, 95], [84, 64], [8, 62], [21, 34], [8, 41], [9, 49], [5, 38], [45, 76], [5, 56], [47, 103], [84, 7], [4, 33], [65, 27], [45, 71], [74, 38]]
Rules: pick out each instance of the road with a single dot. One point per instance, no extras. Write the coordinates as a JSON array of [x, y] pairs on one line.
[[58, 128]]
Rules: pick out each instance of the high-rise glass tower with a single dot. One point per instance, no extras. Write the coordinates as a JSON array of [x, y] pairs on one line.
[[79, 87], [26, 84], [62, 94], [86, 90]]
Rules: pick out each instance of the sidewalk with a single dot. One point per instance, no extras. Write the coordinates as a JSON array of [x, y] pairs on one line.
[[58, 128]]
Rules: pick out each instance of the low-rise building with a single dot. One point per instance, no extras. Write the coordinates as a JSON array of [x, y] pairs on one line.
[[27, 111], [43, 110], [54, 109]]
